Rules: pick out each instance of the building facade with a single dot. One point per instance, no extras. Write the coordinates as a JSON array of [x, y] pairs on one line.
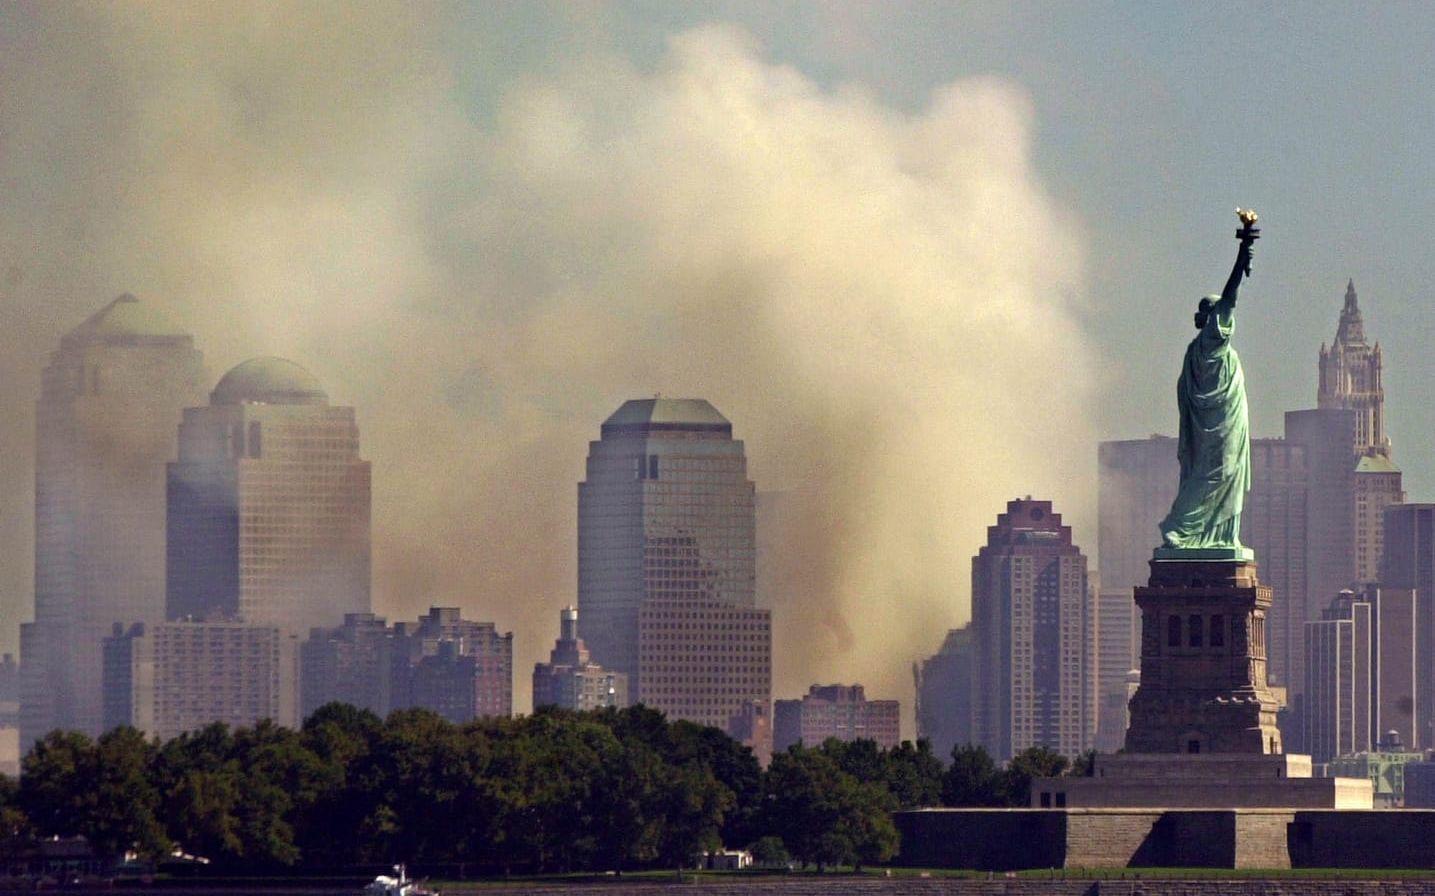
[[110, 398], [835, 711], [351, 663], [1032, 618], [459, 668], [174, 677], [269, 504], [1408, 565], [1274, 526], [666, 562], [945, 688], [1377, 485], [1340, 679], [570, 679]]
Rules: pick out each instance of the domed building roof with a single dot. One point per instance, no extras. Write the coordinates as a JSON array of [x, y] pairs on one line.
[[268, 381], [124, 319]]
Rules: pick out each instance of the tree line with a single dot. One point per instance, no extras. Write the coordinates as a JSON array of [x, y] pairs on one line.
[[556, 791]]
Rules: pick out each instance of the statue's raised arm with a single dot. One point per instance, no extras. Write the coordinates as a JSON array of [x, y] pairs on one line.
[[1214, 447], [1248, 234]]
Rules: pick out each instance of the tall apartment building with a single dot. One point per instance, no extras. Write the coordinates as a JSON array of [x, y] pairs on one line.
[[456, 667], [945, 687], [1408, 564], [269, 504], [570, 679], [459, 668], [351, 663], [110, 398], [172, 677], [836, 711], [1340, 679], [1033, 619], [666, 562]]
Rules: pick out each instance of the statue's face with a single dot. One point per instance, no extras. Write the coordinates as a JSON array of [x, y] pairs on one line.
[[1200, 320]]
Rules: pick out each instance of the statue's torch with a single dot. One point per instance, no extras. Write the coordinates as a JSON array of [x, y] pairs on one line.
[[1249, 232]]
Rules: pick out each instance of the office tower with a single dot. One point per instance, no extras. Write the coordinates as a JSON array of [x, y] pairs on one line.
[[1274, 526], [456, 667], [1327, 437], [1377, 485], [1408, 565], [944, 685], [570, 679], [836, 711], [666, 562], [1398, 691], [172, 677], [1032, 619], [1339, 679], [269, 504], [352, 663], [110, 398], [1350, 377]]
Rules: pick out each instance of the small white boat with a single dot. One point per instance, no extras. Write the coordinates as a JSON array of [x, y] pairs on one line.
[[399, 885]]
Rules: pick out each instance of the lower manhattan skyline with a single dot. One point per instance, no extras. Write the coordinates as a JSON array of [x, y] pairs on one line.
[[890, 277]]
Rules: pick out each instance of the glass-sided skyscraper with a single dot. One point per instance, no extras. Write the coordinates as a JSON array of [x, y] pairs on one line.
[[110, 399], [666, 561]]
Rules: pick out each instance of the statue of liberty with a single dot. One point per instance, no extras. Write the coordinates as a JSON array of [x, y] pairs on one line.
[[1214, 447]]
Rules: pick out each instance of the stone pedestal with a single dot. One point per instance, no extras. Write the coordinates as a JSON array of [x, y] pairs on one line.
[[1203, 661], [1203, 722]]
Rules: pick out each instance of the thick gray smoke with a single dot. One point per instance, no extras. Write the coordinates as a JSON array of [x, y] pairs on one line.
[[883, 302]]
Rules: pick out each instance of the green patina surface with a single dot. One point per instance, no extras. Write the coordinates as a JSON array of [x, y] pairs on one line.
[[1214, 446]]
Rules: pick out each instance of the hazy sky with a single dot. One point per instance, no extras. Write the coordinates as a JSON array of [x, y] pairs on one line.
[[923, 256]]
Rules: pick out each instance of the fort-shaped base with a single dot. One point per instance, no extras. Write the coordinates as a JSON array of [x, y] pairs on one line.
[[1204, 781]]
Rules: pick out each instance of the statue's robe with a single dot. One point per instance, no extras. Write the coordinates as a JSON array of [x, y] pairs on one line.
[[1215, 441]]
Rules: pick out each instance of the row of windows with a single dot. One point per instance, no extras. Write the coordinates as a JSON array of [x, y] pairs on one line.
[[1196, 629]]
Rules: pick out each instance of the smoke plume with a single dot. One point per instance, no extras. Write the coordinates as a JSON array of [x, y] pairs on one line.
[[882, 301]]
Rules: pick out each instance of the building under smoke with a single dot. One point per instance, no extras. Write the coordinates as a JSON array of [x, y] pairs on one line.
[[269, 504], [666, 562], [110, 399], [944, 687]]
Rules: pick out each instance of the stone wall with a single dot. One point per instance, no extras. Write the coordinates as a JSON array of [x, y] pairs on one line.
[[810, 886], [1013, 839]]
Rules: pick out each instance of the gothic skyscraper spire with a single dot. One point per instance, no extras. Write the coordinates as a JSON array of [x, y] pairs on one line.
[[1350, 377]]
